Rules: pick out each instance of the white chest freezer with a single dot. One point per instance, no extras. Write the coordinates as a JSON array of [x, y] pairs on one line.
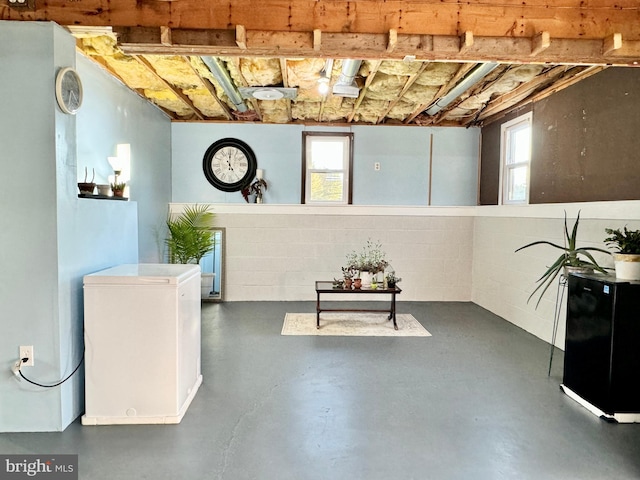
[[142, 343]]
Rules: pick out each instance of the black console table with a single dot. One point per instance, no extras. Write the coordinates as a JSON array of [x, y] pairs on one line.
[[324, 287]]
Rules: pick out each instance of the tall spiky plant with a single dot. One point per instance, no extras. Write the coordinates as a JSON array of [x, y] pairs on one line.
[[570, 257], [190, 237]]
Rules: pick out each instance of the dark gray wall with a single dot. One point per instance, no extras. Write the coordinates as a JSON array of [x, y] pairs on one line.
[[586, 140]]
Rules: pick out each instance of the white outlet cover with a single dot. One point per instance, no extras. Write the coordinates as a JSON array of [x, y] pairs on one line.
[[27, 352]]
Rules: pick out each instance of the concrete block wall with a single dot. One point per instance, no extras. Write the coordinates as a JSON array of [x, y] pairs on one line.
[[503, 279], [277, 252]]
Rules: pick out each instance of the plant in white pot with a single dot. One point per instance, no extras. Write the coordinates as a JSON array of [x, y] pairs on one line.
[[627, 255], [572, 259], [369, 262]]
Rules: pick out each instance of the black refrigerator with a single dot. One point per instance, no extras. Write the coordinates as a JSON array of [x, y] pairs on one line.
[[602, 345]]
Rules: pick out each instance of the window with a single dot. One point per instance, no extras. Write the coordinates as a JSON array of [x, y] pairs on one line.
[[516, 157], [327, 167]]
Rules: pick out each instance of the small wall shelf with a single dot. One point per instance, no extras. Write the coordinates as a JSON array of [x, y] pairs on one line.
[[101, 197]]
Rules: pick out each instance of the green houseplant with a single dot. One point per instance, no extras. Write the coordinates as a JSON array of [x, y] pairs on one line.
[[368, 262], [572, 258], [392, 280], [626, 241], [118, 189], [190, 237], [627, 255]]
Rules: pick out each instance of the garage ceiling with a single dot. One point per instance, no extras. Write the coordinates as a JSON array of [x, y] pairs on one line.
[[384, 62]]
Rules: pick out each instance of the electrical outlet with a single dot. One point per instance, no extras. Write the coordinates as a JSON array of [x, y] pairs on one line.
[[376, 166], [27, 352]]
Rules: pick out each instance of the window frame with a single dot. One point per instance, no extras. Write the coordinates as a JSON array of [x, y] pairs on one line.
[[505, 168], [347, 169]]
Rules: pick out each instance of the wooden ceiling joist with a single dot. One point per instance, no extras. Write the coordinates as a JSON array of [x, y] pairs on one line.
[[561, 18], [609, 50], [177, 92]]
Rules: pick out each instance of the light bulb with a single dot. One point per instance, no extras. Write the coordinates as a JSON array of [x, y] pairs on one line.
[[323, 88]]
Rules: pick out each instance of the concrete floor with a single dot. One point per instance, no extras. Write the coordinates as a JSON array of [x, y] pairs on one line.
[[472, 402]]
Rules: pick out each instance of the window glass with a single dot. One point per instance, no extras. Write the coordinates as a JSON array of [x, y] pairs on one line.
[[516, 159], [327, 163]]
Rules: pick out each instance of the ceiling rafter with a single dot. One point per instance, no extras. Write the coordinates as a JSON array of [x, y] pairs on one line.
[[363, 90], [462, 71], [557, 85], [285, 84], [254, 103], [177, 92], [212, 90], [515, 96], [410, 81], [557, 34]]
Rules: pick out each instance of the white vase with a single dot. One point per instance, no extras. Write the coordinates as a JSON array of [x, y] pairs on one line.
[[366, 277], [627, 266]]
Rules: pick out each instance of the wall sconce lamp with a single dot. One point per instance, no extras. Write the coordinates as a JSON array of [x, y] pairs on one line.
[[121, 163]]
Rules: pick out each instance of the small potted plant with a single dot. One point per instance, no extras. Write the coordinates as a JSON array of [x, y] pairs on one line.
[[118, 189], [190, 235], [87, 188], [627, 255], [392, 280], [254, 189], [572, 259], [348, 273]]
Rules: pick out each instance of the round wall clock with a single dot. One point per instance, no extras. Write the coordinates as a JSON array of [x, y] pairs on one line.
[[68, 90], [229, 165]]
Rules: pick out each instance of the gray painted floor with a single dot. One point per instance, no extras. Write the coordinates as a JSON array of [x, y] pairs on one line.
[[472, 402]]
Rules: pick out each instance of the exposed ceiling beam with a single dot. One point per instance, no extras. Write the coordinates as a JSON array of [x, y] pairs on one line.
[[556, 31], [410, 81], [561, 18], [513, 97], [254, 103], [212, 90], [177, 92], [363, 90], [462, 71], [539, 48], [555, 87], [285, 84]]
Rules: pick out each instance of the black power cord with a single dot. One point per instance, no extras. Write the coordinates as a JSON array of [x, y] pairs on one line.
[[24, 360]]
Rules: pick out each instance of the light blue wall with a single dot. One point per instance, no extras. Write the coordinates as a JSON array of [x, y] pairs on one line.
[[51, 238], [455, 167], [112, 114], [277, 149], [403, 154], [28, 277]]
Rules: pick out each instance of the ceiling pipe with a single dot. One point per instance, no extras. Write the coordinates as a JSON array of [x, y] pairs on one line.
[[473, 77], [222, 76], [346, 85]]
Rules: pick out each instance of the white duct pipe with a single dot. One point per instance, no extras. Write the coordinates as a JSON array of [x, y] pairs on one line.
[[349, 70], [222, 76], [467, 82], [346, 85]]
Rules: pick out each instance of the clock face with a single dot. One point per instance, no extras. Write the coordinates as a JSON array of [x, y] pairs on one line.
[[229, 165], [68, 90]]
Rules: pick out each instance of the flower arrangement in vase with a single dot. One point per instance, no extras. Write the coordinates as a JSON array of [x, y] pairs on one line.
[[368, 262]]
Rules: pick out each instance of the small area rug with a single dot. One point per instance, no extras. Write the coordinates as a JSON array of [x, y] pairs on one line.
[[353, 324]]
